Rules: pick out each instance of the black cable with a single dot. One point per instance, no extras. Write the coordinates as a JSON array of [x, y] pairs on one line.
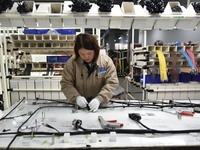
[[144, 125], [18, 116], [88, 131], [49, 126], [58, 101], [7, 133], [104, 131], [8, 147], [161, 105], [12, 109]]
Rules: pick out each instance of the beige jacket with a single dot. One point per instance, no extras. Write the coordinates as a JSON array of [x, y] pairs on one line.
[[102, 83]]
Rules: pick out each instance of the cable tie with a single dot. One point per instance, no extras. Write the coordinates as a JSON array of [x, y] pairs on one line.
[[9, 77], [10, 89]]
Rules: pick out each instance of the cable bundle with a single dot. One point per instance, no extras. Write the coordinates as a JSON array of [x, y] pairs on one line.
[[162, 66], [80, 6], [188, 59], [196, 7], [5, 4], [154, 6], [176, 9], [105, 5], [23, 8], [193, 59]]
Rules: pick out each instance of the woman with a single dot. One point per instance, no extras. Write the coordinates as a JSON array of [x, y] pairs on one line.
[[89, 78]]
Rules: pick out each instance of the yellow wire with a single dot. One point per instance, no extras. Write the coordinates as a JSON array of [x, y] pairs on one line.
[[120, 65], [162, 65]]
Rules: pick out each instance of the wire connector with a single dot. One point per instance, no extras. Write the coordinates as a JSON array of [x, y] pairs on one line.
[[135, 116], [76, 123]]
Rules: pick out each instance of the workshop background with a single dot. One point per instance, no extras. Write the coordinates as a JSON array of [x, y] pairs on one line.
[[37, 39], [154, 45]]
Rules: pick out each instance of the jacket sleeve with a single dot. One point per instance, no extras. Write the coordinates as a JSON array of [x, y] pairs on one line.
[[111, 83], [67, 82]]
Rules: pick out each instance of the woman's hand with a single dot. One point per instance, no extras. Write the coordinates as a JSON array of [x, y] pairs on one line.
[[81, 101], [94, 104]]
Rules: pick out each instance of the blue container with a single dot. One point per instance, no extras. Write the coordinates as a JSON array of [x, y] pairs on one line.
[[195, 77], [63, 59], [156, 80], [184, 77], [30, 31], [147, 79], [42, 31], [59, 31], [68, 32], [52, 59]]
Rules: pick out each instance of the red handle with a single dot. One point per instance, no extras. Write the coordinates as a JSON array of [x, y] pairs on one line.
[[187, 114]]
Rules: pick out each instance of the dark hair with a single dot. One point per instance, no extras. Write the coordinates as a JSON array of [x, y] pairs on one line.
[[87, 41]]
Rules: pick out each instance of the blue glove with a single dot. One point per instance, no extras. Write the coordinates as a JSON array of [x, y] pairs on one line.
[[94, 104], [81, 101]]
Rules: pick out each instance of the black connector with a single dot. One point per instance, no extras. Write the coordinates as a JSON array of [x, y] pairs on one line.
[[10, 89], [135, 116], [150, 90], [76, 123]]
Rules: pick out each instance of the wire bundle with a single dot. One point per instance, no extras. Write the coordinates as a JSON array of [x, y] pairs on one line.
[[23, 8], [162, 66], [176, 9], [80, 6], [105, 5], [196, 7], [192, 57], [154, 6], [5, 4], [188, 59]]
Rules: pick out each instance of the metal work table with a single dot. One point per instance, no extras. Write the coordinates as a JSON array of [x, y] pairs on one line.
[[91, 135]]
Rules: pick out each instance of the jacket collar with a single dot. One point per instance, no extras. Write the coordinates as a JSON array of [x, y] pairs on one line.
[[81, 61]]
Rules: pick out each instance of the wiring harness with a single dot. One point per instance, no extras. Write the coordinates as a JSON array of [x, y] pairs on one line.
[[77, 123], [5, 4], [154, 6], [105, 5], [196, 6], [80, 6]]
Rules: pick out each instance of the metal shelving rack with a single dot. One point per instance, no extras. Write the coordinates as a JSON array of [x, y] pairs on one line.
[[145, 58]]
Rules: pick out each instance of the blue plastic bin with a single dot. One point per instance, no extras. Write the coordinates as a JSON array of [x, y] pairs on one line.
[[42, 31], [63, 59], [52, 59], [30, 31], [195, 77], [68, 31], [156, 81], [184, 77]]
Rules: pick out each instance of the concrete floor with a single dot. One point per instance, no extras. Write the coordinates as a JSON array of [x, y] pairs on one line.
[[135, 91]]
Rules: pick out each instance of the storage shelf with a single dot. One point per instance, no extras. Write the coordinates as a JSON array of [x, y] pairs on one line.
[[140, 55], [35, 90], [45, 49], [43, 69], [138, 18], [43, 42]]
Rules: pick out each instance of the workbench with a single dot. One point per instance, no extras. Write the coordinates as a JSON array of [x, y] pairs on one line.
[[184, 131]]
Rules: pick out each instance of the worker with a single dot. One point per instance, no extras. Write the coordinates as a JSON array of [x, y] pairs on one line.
[[89, 78]]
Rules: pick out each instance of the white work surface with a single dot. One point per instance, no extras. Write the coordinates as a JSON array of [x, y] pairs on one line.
[[61, 118]]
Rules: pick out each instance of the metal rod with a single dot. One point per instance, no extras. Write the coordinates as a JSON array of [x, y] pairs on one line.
[[32, 90], [4, 87], [36, 76], [175, 90]]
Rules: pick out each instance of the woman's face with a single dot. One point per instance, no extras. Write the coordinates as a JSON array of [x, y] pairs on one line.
[[87, 55]]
